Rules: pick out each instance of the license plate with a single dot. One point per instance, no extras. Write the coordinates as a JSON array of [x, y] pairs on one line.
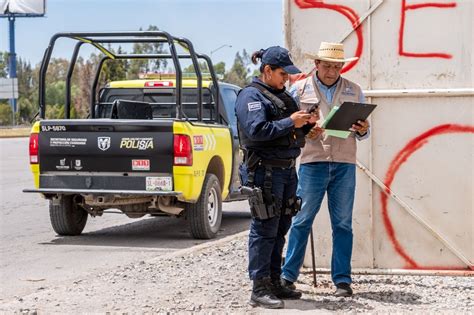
[[162, 183]]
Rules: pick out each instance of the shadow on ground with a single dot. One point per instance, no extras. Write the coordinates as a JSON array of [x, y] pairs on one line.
[[326, 301], [394, 297], [154, 233], [343, 304]]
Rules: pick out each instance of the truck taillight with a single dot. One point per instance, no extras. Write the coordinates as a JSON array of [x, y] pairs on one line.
[[183, 151], [158, 83], [34, 148]]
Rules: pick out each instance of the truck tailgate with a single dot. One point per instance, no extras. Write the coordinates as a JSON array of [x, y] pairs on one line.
[[105, 154]]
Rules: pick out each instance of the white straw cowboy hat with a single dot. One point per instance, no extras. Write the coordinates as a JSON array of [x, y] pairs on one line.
[[332, 52]]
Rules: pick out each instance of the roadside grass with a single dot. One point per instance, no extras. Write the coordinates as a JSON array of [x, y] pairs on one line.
[[14, 132]]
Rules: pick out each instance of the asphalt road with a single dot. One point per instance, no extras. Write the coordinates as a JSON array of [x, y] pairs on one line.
[[33, 257]]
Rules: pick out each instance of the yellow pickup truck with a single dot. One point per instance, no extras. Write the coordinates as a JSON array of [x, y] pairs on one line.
[[150, 146]]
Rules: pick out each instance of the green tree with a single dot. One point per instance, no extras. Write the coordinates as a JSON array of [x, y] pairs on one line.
[[27, 91], [3, 64], [219, 68], [57, 69], [26, 110], [5, 114], [86, 72], [239, 73], [114, 70], [5, 108], [140, 66], [56, 93], [255, 73], [26, 86], [54, 112], [190, 69]]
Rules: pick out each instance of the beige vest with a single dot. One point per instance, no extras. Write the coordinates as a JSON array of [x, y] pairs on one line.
[[325, 148]]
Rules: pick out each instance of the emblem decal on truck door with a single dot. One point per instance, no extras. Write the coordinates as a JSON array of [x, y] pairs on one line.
[[63, 166], [103, 143], [78, 165], [198, 142]]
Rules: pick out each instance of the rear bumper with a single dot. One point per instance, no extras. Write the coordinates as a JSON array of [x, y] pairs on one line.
[[100, 184], [101, 192]]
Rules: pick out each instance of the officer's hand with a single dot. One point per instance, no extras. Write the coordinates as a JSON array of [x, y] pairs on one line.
[[361, 127], [300, 118], [314, 117]]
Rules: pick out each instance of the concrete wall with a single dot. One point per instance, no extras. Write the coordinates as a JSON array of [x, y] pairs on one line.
[[416, 63]]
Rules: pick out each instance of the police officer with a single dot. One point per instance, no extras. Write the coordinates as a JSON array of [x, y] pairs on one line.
[[272, 131]]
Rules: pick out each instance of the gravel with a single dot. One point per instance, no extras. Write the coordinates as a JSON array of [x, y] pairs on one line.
[[214, 279]]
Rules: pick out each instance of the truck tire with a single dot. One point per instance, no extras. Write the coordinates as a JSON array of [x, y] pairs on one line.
[[205, 216], [67, 218]]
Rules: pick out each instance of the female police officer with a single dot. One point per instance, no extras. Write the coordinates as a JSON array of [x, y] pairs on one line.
[[271, 131]]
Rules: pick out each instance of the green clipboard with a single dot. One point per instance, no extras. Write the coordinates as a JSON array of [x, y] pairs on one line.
[[341, 118]]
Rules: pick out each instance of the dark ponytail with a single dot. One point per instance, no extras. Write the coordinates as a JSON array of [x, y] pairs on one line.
[[258, 55]]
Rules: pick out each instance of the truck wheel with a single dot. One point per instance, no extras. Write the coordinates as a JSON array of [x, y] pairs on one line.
[[67, 218], [205, 216]]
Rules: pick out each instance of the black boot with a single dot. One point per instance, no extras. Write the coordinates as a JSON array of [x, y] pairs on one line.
[[343, 290], [287, 284], [284, 292], [262, 295]]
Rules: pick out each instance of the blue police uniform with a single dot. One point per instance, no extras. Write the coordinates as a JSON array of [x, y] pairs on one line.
[[271, 144], [253, 110]]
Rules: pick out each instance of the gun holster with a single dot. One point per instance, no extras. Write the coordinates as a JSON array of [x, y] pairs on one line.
[[263, 204], [258, 208]]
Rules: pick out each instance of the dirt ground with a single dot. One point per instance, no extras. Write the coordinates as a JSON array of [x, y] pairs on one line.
[[212, 278]]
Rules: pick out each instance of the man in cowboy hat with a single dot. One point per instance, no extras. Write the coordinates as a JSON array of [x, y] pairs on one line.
[[327, 165]]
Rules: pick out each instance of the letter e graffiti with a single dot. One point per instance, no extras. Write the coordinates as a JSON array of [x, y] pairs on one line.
[[416, 6]]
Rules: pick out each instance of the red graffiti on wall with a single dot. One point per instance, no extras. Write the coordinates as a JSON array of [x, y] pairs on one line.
[[349, 13], [352, 16], [402, 156], [405, 8]]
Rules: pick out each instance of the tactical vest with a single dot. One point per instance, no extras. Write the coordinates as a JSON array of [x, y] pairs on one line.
[[283, 106], [325, 148]]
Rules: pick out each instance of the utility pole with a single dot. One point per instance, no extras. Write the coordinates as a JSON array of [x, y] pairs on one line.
[[12, 63]]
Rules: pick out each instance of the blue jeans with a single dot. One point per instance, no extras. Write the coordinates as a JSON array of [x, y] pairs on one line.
[[315, 179], [267, 237]]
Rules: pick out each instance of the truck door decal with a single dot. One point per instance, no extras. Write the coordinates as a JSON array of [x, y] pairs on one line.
[[198, 143], [209, 143]]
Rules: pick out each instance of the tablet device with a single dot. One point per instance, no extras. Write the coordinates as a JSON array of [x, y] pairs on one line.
[[348, 114]]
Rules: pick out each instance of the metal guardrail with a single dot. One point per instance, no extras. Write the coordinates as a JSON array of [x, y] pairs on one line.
[[15, 127]]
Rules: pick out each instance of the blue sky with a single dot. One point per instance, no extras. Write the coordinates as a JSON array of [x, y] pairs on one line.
[[209, 24]]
